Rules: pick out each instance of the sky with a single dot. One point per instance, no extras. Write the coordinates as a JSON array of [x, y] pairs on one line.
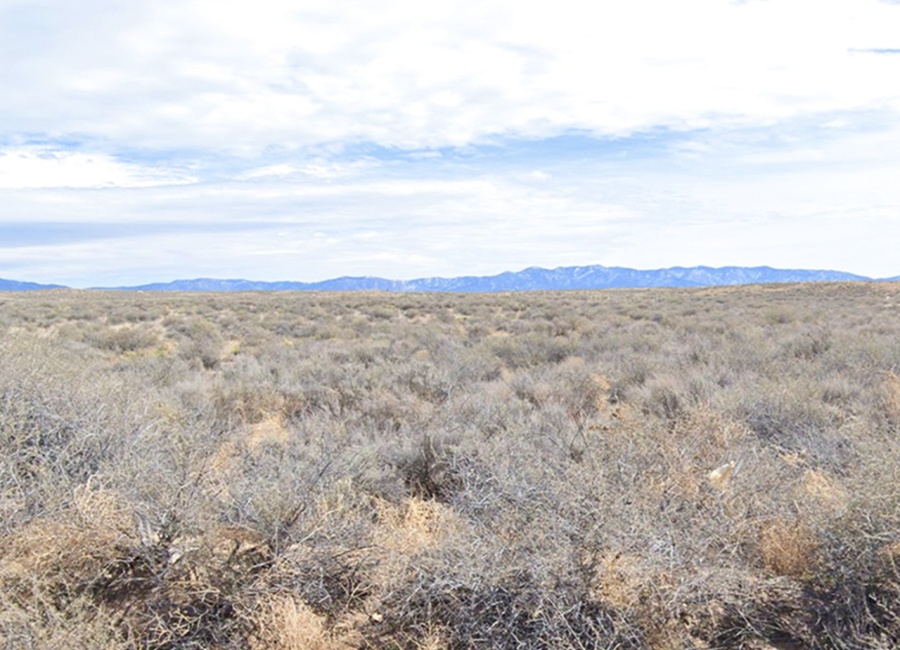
[[304, 140]]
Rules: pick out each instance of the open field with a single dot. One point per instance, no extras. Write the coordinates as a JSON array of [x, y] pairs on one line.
[[647, 469]]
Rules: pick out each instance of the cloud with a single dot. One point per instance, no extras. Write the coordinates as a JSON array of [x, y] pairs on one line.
[[877, 50], [236, 77], [401, 138], [45, 167], [318, 168]]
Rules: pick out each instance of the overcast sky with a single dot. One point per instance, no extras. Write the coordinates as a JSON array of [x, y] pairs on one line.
[[305, 139]]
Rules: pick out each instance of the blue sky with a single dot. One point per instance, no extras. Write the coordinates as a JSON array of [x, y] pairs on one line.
[[305, 140]]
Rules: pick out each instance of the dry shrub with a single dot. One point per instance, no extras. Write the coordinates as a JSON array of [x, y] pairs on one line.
[[51, 573], [711, 430], [664, 400], [100, 507], [407, 536], [824, 491], [626, 583], [252, 404], [435, 637], [388, 412], [788, 548], [890, 389], [247, 442], [500, 433], [331, 562], [64, 558], [127, 338], [282, 622], [270, 431], [56, 557], [703, 608], [166, 593], [730, 608], [428, 467], [188, 592], [509, 611], [603, 389], [38, 625], [333, 578], [638, 591], [414, 526], [222, 556], [573, 385]]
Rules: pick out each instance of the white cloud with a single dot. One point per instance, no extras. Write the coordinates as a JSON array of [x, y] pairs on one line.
[[241, 77], [280, 170], [35, 167]]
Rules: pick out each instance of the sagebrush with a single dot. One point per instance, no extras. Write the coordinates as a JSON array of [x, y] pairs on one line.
[[646, 469]]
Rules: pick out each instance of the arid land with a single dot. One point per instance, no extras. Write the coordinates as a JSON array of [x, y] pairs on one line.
[[632, 469]]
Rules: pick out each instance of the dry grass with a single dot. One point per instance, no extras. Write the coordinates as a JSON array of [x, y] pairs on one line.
[[647, 469], [414, 526], [788, 548], [284, 623]]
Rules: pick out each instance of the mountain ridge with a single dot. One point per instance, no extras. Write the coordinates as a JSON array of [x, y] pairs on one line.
[[529, 279], [16, 285], [532, 278]]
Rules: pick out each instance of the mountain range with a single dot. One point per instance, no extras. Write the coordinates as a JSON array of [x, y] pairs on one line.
[[14, 285], [530, 279]]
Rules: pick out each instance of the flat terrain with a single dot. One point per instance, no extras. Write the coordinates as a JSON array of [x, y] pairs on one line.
[[633, 469]]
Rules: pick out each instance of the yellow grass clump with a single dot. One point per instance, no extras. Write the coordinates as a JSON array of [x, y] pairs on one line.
[[788, 548], [413, 526], [282, 622]]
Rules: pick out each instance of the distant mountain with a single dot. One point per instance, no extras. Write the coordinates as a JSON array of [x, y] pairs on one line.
[[14, 285], [530, 279], [210, 284]]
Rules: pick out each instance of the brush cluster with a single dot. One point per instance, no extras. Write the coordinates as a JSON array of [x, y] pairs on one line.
[[640, 469]]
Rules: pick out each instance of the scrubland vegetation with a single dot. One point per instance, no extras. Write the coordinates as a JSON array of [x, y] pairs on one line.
[[653, 469]]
